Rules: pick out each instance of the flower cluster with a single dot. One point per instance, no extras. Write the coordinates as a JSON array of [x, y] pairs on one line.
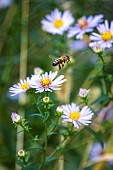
[[58, 23], [44, 82]]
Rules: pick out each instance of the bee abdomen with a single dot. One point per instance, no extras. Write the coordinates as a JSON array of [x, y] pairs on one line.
[[55, 63]]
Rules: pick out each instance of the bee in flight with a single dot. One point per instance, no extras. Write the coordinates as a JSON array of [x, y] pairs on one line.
[[60, 62]]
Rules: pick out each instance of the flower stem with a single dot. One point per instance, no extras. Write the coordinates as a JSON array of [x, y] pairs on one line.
[[104, 75]]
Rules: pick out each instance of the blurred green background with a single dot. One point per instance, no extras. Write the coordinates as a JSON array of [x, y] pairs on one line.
[[16, 24]]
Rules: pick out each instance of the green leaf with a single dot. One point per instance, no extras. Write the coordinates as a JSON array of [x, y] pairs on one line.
[[48, 160], [103, 99], [97, 135], [36, 114], [46, 116]]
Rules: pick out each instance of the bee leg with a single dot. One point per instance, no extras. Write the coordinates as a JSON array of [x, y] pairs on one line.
[[59, 66]]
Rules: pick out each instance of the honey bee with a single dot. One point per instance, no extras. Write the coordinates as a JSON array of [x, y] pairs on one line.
[[60, 62]]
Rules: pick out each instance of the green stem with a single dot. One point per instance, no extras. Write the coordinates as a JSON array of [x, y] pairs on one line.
[[27, 130], [36, 104], [104, 75], [45, 148]]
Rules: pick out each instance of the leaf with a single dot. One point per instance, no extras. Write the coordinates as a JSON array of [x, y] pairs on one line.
[[36, 114], [103, 99], [49, 159], [97, 135], [46, 116]]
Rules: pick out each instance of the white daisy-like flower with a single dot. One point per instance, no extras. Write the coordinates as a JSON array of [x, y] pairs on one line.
[[72, 113], [47, 82], [83, 92], [105, 36], [96, 47], [57, 22], [84, 25], [21, 87]]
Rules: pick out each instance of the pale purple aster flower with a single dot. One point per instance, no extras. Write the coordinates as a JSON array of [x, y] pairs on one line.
[[15, 117], [96, 151], [57, 22], [5, 3], [47, 82], [105, 36], [77, 45], [21, 87], [84, 25], [72, 113]]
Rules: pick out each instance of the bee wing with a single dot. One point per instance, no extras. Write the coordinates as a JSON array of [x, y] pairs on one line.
[[51, 57]]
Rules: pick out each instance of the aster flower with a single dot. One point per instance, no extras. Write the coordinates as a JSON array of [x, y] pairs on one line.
[[5, 3], [72, 113], [83, 92], [46, 82], [96, 151], [84, 25], [15, 117], [105, 36], [21, 87], [56, 22]]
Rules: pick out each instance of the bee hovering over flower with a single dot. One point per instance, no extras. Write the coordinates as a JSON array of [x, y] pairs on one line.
[[60, 62]]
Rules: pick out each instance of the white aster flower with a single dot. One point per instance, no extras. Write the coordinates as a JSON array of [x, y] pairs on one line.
[[105, 36], [21, 87], [15, 117], [72, 113], [56, 22], [46, 82], [83, 92], [84, 25]]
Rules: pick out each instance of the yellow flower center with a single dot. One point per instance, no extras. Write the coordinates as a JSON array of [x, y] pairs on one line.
[[74, 115], [58, 23], [107, 36], [45, 82], [25, 86], [82, 24]]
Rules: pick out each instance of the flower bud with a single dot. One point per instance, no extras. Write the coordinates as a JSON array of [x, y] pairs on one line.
[[83, 92], [38, 70], [46, 100], [59, 111], [15, 117], [21, 153], [96, 47]]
